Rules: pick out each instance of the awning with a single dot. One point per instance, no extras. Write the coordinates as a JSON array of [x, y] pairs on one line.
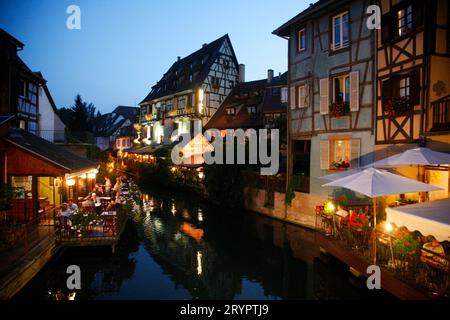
[[430, 218]]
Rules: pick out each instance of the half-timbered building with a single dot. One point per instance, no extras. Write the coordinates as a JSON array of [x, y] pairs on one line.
[[413, 70], [191, 90], [331, 97]]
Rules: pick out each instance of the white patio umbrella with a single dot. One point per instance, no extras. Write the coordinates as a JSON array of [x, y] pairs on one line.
[[377, 183], [417, 156]]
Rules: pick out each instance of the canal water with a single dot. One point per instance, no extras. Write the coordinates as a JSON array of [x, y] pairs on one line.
[[179, 248]]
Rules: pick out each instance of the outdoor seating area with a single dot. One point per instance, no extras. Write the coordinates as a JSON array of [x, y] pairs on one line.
[[411, 241], [97, 215]]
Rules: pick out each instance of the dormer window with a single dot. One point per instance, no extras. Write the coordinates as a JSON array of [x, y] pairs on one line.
[[230, 111], [251, 110]]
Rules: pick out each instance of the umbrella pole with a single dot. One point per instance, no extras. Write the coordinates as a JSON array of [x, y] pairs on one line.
[[375, 230]]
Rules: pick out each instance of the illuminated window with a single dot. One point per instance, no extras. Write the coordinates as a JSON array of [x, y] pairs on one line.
[[341, 150], [404, 21], [341, 89], [251, 110], [340, 31], [230, 111]]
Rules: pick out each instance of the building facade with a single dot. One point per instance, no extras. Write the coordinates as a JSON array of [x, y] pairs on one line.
[[413, 101], [191, 90], [332, 76]]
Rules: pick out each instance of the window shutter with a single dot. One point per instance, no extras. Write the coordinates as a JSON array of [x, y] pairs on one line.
[[386, 28], [194, 101], [324, 154], [324, 96], [292, 98], [301, 96], [414, 88], [306, 96], [386, 88], [417, 12], [174, 103], [355, 152], [354, 91]]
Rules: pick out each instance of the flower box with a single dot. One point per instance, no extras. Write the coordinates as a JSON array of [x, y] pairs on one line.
[[340, 109], [397, 106]]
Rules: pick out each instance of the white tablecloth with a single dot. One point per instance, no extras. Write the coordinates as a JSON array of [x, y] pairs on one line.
[[430, 218]]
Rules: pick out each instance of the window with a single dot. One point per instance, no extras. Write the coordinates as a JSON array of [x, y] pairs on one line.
[[404, 21], [32, 127], [340, 151], [230, 111], [182, 102], [251, 110], [284, 95], [301, 38], [301, 96], [22, 88], [341, 89], [340, 31], [190, 78], [403, 87], [276, 91], [22, 124], [231, 83]]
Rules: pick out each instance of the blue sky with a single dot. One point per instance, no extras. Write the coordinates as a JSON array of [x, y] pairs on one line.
[[124, 47]]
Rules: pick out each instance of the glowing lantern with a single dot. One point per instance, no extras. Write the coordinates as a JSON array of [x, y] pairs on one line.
[[70, 182]]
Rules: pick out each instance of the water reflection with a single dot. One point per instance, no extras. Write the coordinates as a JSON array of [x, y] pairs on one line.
[[176, 248]]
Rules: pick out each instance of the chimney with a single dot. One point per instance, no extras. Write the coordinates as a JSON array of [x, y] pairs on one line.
[[241, 73], [178, 58], [269, 75], [204, 45]]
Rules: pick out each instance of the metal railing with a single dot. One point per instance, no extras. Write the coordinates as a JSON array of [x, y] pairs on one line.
[[426, 270], [17, 239], [440, 112]]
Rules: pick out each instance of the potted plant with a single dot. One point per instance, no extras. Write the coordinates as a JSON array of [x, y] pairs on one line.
[[397, 106], [339, 109]]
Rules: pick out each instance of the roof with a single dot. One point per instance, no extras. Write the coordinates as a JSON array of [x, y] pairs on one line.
[[107, 124], [4, 119], [181, 69], [8, 37], [284, 30], [46, 150], [255, 94]]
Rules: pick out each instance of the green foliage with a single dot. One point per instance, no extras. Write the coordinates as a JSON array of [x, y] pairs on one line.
[[82, 220], [225, 184], [93, 152], [406, 244], [157, 173], [6, 194], [280, 123]]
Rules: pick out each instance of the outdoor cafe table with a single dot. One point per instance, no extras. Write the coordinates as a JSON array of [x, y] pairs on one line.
[[430, 218]]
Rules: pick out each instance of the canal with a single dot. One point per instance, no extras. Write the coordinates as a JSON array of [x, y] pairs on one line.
[[180, 248]]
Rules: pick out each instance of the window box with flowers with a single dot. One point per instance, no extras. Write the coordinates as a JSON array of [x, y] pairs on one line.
[[340, 109], [397, 106]]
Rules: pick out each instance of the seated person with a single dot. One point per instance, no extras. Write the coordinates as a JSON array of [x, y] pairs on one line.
[[72, 206], [90, 202], [65, 212], [112, 206], [89, 196]]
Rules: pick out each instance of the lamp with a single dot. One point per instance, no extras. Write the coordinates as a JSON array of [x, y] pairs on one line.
[[70, 182]]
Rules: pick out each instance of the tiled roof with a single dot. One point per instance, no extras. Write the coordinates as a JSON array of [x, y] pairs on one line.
[[109, 123], [249, 94], [197, 63], [46, 150]]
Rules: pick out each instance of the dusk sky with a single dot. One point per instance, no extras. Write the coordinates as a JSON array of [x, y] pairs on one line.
[[124, 47]]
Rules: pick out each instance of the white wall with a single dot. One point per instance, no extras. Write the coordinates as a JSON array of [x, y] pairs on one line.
[[51, 127]]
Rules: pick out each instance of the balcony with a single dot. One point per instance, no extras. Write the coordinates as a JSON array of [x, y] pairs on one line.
[[440, 115]]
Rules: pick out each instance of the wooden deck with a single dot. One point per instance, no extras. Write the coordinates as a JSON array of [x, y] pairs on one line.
[[389, 281]]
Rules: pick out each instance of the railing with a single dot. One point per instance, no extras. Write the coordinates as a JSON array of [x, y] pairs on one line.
[[53, 135], [440, 111], [410, 261], [16, 240]]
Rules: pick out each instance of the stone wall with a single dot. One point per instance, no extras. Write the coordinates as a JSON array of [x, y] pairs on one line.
[[301, 211]]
